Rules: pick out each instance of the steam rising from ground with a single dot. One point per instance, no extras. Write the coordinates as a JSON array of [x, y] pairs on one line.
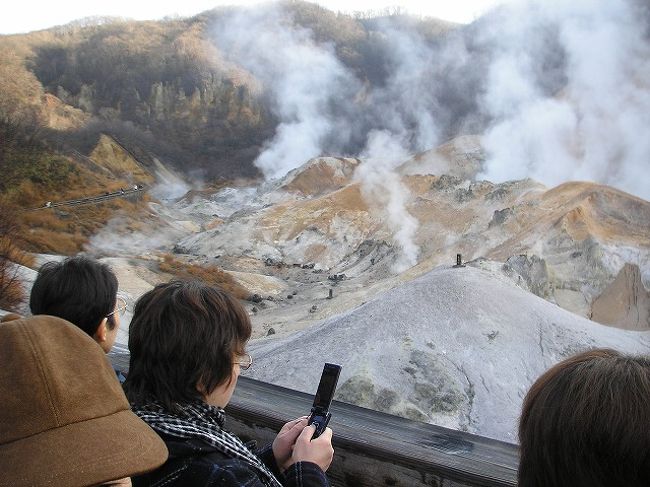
[[597, 126], [405, 106], [322, 106], [559, 88], [303, 79], [381, 184]]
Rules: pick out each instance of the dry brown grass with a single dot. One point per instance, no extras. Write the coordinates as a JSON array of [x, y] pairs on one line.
[[210, 274], [66, 230]]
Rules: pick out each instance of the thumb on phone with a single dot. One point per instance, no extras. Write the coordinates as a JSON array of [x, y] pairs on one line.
[[307, 433], [318, 451]]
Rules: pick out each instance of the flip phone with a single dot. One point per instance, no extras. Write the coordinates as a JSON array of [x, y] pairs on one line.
[[320, 415]]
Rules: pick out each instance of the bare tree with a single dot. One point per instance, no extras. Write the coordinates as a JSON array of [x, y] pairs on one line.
[[12, 294]]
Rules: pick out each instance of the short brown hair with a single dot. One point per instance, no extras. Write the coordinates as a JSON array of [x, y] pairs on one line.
[[79, 289], [585, 423], [183, 334]]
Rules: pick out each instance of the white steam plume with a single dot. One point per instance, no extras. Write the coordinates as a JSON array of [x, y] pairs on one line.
[[321, 104], [597, 128], [381, 184], [585, 118], [406, 104], [303, 79]]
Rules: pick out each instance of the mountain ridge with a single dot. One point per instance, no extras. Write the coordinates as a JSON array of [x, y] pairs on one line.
[[170, 79]]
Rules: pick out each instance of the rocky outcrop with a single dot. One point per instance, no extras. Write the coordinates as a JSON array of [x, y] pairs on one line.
[[530, 273], [583, 231], [461, 157], [321, 175], [116, 159], [625, 303], [60, 116], [576, 234], [500, 216], [322, 230]]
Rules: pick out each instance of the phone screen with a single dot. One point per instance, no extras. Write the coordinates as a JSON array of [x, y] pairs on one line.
[[327, 386]]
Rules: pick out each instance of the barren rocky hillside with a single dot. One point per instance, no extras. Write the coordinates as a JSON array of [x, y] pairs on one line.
[[566, 244], [458, 347]]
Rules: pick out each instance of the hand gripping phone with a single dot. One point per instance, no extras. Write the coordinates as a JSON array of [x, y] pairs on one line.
[[320, 415]]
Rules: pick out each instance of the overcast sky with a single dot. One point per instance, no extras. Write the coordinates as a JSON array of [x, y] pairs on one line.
[[27, 15]]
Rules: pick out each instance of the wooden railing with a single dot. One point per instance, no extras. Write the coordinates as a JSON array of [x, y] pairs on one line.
[[373, 448], [377, 449]]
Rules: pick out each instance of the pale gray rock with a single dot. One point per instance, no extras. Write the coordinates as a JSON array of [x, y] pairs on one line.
[[40, 259], [455, 347], [531, 272], [461, 157]]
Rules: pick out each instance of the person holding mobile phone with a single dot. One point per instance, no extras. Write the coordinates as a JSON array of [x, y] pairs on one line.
[[187, 342]]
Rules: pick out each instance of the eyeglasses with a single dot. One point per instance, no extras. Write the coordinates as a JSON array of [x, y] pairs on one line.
[[120, 308], [245, 361]]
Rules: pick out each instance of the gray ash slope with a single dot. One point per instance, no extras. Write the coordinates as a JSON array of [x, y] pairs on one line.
[[457, 347]]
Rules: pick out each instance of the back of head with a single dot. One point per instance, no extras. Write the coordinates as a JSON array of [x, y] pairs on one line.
[[79, 290], [63, 424], [183, 333], [584, 423]]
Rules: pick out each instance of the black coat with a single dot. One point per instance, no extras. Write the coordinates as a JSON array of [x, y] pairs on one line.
[[194, 463]]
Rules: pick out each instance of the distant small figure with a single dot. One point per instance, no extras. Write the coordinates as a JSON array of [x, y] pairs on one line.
[[136, 187], [121, 190], [459, 261], [48, 204]]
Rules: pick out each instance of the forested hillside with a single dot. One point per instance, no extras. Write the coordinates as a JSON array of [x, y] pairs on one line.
[[166, 88]]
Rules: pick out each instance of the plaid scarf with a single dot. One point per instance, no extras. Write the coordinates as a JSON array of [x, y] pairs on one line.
[[199, 420]]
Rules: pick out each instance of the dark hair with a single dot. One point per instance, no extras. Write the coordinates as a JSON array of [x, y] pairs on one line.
[[584, 423], [183, 334], [80, 290]]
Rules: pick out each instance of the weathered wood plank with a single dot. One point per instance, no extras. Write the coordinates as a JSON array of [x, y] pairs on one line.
[[372, 448]]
